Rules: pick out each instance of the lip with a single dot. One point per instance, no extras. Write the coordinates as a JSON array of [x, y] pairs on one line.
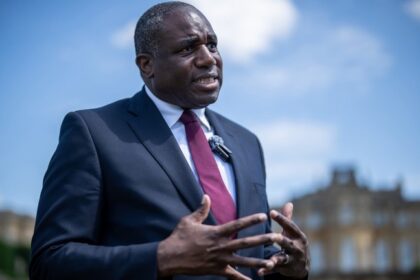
[[207, 81], [206, 75]]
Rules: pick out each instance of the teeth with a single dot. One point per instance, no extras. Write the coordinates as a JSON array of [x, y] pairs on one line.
[[207, 80]]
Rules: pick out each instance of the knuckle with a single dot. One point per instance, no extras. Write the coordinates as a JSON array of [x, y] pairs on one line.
[[216, 232], [213, 236], [301, 253], [185, 220], [282, 218], [243, 242], [256, 219], [273, 237], [237, 225], [240, 243]]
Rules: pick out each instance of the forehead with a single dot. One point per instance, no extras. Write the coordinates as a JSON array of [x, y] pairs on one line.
[[185, 21]]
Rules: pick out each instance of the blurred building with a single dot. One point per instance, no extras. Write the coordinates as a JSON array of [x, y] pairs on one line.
[[15, 238], [16, 229], [355, 232]]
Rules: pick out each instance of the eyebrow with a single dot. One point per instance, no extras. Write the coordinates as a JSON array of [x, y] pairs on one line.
[[193, 39]]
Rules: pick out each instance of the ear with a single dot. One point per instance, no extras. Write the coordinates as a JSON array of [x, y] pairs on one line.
[[144, 62]]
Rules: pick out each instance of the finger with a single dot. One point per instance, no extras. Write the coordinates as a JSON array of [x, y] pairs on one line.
[[287, 210], [281, 258], [277, 259], [288, 225], [202, 212], [237, 260], [247, 242], [234, 274], [234, 226], [263, 271], [289, 246]]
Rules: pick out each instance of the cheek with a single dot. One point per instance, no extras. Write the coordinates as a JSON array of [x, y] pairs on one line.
[[181, 78], [219, 60], [178, 73]]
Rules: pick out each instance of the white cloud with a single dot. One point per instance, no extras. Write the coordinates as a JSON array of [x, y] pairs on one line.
[[290, 178], [244, 28], [285, 137], [345, 56], [296, 153], [122, 38], [248, 28], [297, 172], [413, 8]]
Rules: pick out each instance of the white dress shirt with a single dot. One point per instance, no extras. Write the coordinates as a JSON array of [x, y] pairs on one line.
[[171, 114]]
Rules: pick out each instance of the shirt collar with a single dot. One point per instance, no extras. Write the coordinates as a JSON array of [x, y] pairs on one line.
[[171, 113]]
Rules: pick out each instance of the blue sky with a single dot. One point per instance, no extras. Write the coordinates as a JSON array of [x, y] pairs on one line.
[[321, 83]]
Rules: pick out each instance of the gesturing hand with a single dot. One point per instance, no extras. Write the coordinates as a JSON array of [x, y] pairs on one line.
[[293, 260], [195, 248]]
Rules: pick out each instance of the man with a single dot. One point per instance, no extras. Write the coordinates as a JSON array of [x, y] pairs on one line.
[[132, 193]]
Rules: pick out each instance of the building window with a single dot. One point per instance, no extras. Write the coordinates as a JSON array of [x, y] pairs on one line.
[[380, 219], [405, 255], [382, 256], [418, 219], [348, 255], [346, 214], [314, 220], [317, 257], [402, 220]]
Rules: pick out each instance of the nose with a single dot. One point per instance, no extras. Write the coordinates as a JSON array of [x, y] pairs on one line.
[[205, 57]]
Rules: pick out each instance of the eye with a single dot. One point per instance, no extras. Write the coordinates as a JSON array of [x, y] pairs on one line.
[[212, 47], [187, 49]]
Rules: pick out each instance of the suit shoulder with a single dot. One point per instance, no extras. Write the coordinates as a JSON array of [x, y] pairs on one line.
[[116, 107], [231, 125], [98, 119]]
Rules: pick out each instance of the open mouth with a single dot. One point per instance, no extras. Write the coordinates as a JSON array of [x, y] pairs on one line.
[[206, 80]]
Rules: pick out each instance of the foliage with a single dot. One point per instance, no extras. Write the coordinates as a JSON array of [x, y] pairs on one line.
[[14, 260]]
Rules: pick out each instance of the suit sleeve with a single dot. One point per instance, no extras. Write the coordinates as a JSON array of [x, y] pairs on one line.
[[66, 242]]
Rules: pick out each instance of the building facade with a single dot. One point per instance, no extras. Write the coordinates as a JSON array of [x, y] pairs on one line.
[[353, 230], [16, 229]]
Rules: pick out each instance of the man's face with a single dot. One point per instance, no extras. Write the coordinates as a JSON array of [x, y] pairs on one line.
[[187, 68]]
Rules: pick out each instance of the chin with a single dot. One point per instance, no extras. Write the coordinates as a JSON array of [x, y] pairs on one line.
[[210, 99], [198, 104], [200, 99]]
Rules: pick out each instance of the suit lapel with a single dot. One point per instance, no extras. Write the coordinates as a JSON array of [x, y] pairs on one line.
[[239, 164], [153, 132]]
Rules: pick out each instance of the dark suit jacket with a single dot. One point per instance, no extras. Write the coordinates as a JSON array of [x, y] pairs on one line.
[[118, 184]]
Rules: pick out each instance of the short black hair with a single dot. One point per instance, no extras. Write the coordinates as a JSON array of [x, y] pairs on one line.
[[150, 23]]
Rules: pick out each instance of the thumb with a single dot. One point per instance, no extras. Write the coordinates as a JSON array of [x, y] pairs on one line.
[[202, 212], [287, 210]]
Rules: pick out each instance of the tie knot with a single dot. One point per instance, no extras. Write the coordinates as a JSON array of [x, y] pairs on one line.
[[188, 117]]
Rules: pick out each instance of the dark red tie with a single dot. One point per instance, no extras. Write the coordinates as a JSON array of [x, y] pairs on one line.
[[222, 205]]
